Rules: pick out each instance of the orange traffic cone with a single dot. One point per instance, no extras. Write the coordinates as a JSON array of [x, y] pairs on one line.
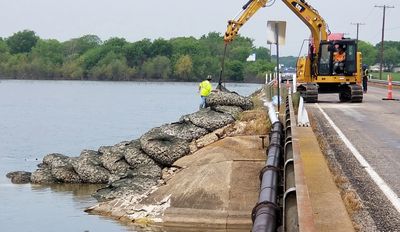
[[390, 90]]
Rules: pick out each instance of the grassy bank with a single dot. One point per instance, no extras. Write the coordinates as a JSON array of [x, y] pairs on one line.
[[375, 75]]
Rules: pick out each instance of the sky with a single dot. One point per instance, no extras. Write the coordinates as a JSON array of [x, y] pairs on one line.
[[135, 20]]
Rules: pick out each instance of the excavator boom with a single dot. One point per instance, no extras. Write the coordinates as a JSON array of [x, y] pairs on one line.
[[312, 19], [302, 9], [249, 9]]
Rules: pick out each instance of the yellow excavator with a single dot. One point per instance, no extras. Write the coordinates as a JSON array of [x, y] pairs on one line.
[[320, 71]]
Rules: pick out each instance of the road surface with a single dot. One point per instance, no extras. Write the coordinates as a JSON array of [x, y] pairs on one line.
[[363, 141]]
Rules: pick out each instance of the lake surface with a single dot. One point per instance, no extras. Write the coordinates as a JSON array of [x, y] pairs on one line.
[[42, 117]]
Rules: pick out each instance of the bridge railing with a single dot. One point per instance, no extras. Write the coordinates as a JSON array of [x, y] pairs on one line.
[[384, 82], [297, 210]]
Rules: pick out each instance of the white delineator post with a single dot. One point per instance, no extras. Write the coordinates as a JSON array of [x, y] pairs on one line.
[[294, 83]]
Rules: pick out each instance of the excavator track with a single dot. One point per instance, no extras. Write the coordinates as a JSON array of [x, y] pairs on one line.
[[351, 93], [309, 92]]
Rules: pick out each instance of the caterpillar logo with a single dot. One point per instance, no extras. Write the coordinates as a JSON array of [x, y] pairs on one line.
[[299, 7]]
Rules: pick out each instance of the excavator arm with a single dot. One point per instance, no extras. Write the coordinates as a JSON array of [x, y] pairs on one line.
[[301, 8], [249, 9], [312, 19]]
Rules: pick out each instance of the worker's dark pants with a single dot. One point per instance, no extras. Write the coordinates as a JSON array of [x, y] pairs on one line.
[[365, 84]]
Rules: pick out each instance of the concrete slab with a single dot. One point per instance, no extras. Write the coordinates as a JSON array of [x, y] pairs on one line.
[[217, 187], [328, 208]]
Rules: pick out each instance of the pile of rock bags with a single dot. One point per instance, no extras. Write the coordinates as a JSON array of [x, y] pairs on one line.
[[135, 166]]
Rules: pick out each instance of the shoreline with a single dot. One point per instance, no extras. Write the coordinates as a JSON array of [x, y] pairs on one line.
[[156, 208], [87, 135], [122, 81], [144, 158]]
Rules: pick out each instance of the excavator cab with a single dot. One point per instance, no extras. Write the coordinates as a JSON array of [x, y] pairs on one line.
[[338, 69], [328, 66]]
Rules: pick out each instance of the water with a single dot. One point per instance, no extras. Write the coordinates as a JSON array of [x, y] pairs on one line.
[[42, 117]]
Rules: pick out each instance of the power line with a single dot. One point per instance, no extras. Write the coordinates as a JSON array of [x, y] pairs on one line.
[[370, 12], [358, 27], [383, 37]]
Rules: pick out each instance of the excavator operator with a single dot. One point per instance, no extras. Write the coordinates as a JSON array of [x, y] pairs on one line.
[[339, 58]]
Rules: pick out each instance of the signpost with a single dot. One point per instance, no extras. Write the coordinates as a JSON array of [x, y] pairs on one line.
[[276, 32]]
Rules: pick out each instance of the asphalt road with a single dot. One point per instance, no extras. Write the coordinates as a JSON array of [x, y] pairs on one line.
[[373, 128]]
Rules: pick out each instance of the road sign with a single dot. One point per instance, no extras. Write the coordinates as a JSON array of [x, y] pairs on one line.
[[276, 29]]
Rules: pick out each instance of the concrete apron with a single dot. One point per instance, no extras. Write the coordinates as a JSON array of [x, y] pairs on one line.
[[217, 187]]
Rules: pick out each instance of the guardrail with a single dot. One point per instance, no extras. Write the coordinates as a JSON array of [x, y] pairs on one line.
[[290, 211], [384, 82], [297, 210]]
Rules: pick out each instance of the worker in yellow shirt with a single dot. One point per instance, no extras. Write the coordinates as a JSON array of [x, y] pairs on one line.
[[205, 90]]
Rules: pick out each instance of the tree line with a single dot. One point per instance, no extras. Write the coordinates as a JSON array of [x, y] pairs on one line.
[[24, 55], [371, 53]]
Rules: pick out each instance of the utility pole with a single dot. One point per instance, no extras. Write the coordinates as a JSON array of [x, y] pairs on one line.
[[383, 37], [358, 27]]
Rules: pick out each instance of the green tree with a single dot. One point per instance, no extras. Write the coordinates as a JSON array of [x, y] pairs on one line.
[[213, 43], [184, 67], [46, 59], [72, 69], [50, 51], [240, 53], [81, 45], [137, 53], [92, 57], [186, 46], [369, 52], [3, 46], [114, 44], [4, 51], [390, 44], [112, 67], [262, 53], [161, 47], [22, 41], [234, 70], [391, 57], [240, 49], [255, 71], [4, 56], [158, 67], [17, 67], [204, 66]]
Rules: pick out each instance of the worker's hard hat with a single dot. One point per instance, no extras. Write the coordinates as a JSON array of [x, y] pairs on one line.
[[209, 77]]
